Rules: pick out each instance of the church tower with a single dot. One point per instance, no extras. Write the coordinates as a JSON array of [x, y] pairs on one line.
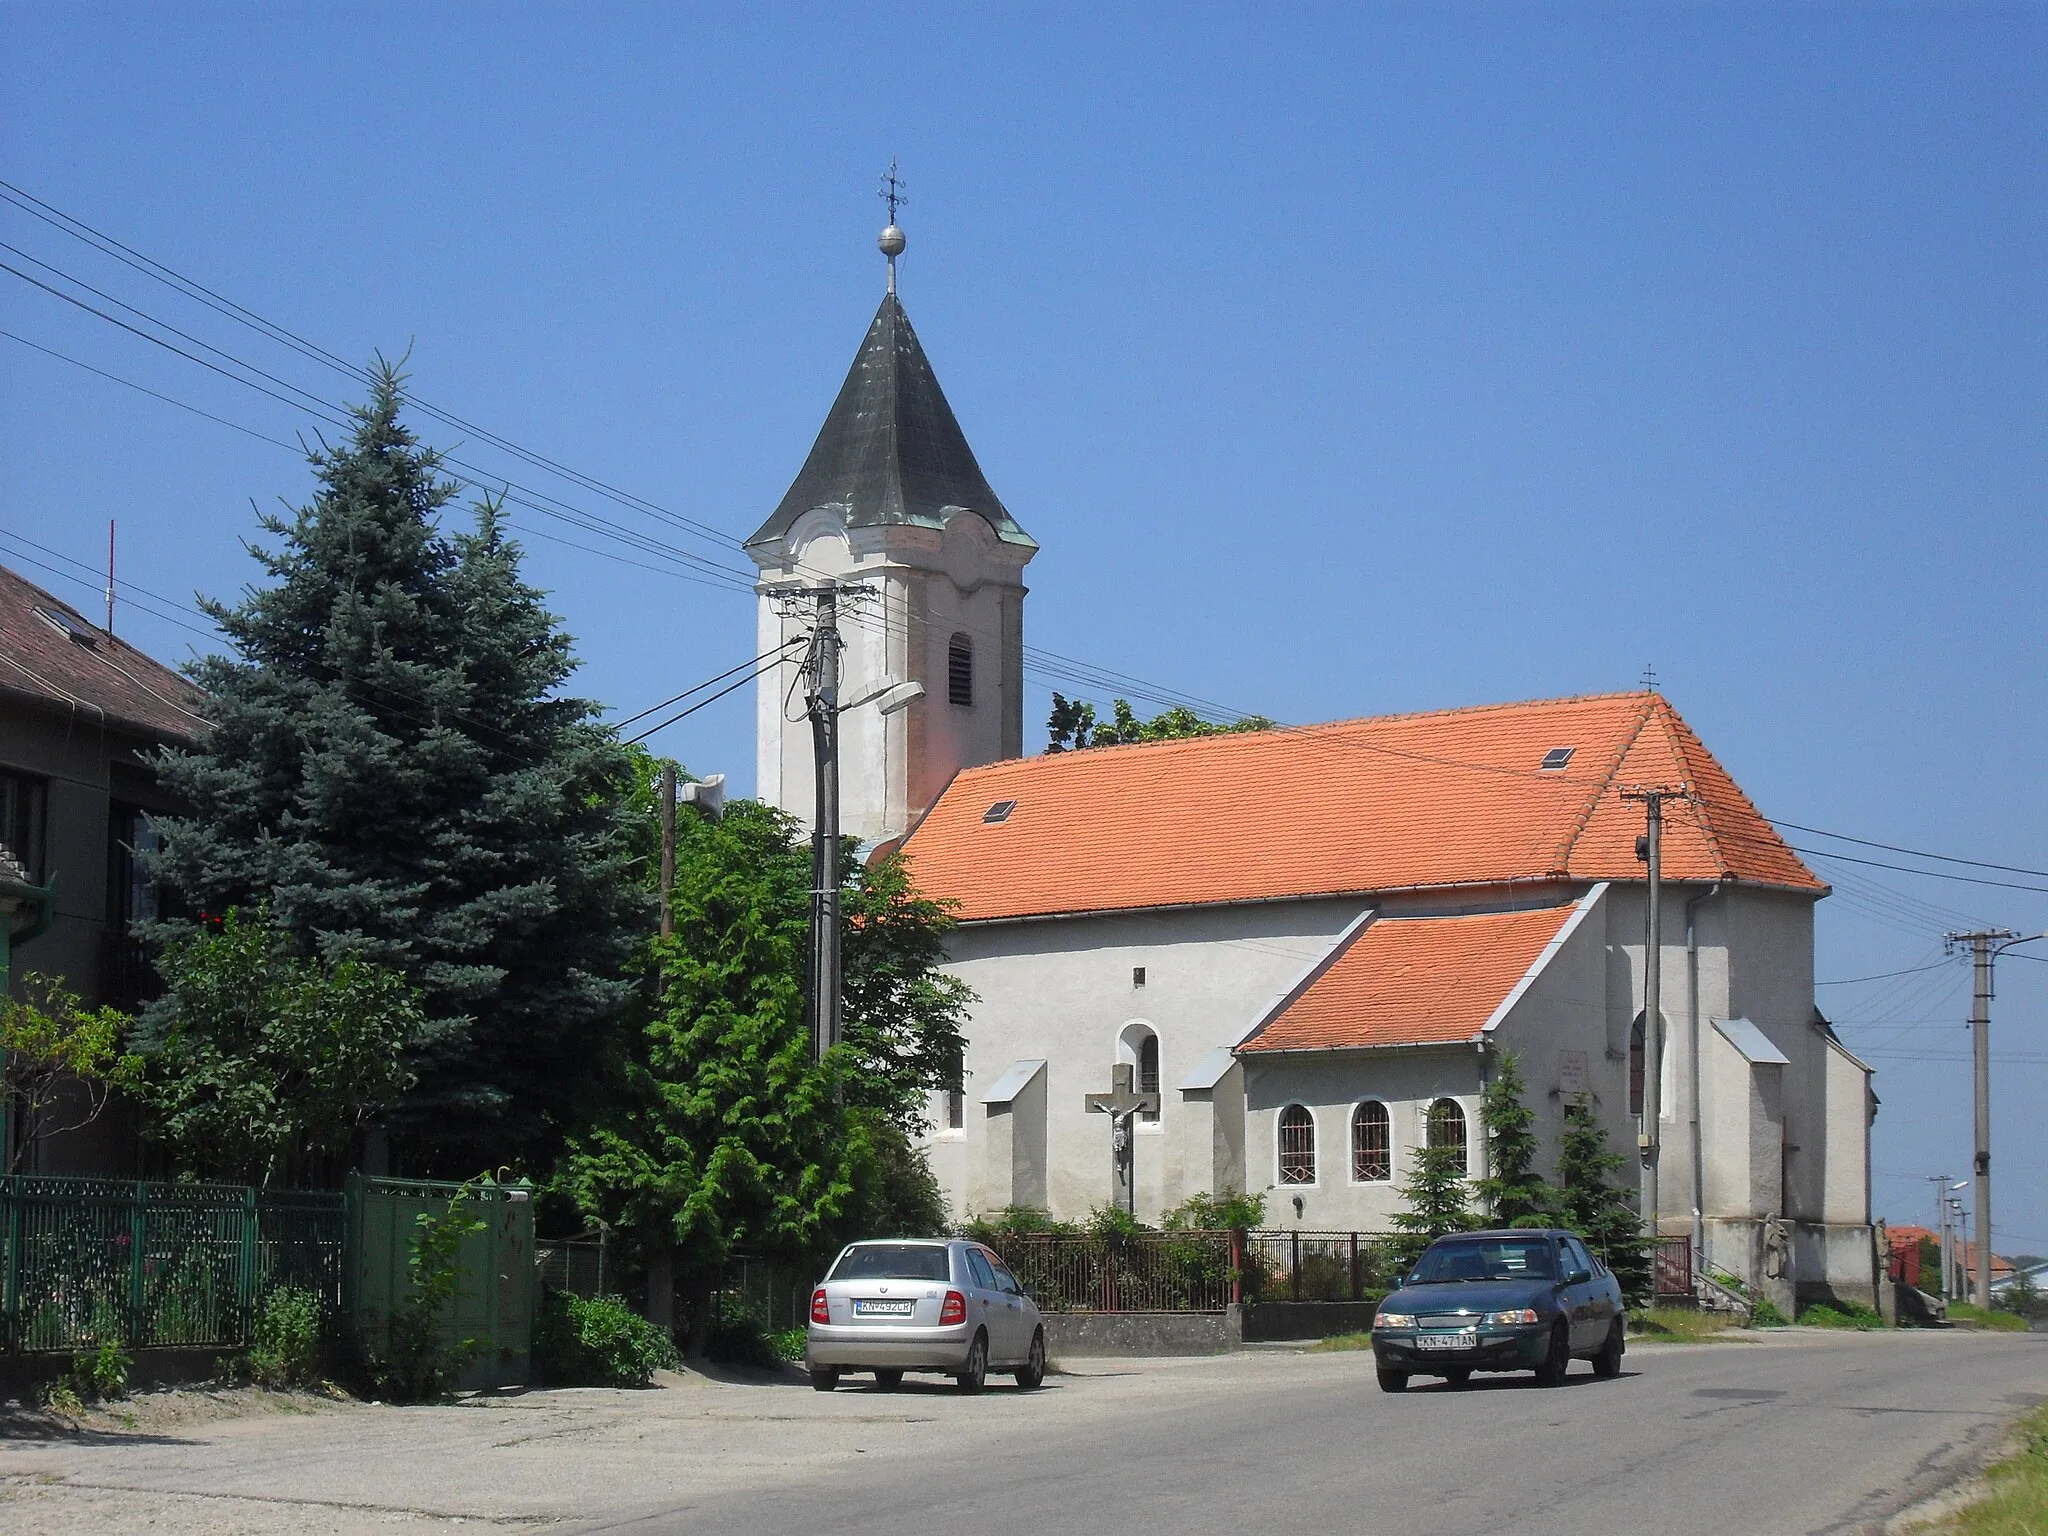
[[892, 501]]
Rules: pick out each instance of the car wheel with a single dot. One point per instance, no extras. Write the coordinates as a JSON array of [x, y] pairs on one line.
[[824, 1380], [1608, 1361], [1032, 1377], [1457, 1378], [975, 1372], [1393, 1381], [1551, 1372], [888, 1381]]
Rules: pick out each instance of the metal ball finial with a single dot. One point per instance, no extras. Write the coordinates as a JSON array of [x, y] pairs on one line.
[[891, 242]]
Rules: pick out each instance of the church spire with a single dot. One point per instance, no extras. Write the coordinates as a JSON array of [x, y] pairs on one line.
[[891, 450]]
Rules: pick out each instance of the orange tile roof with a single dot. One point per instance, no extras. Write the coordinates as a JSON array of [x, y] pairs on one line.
[[1395, 802], [1413, 981]]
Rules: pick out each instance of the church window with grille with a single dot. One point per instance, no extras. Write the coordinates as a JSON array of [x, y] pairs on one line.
[[1148, 1073], [960, 670], [1297, 1145], [1372, 1144], [1447, 1129]]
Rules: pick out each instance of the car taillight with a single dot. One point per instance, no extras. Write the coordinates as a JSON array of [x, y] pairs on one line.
[[820, 1312], [953, 1309]]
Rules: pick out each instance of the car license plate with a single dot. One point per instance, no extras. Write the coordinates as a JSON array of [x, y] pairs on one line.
[[1446, 1340], [863, 1308]]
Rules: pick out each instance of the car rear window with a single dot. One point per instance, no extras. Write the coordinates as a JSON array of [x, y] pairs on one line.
[[892, 1261], [1486, 1259]]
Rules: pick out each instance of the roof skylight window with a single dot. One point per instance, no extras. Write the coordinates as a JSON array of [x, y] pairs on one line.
[[1558, 757], [68, 625], [1000, 811]]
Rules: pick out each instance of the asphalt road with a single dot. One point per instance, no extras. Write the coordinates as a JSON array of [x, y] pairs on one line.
[[1804, 1432]]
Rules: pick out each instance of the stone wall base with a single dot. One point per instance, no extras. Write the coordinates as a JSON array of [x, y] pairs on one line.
[[1081, 1335]]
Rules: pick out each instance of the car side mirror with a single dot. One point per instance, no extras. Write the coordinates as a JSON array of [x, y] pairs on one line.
[[1578, 1277]]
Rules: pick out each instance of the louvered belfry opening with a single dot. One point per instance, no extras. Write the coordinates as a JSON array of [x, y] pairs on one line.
[[960, 670]]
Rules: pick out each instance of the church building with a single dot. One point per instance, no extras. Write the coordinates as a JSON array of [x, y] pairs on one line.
[[1305, 949]]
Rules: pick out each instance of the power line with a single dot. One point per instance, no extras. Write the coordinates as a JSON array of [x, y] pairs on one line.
[[1918, 853], [1043, 663], [1850, 981]]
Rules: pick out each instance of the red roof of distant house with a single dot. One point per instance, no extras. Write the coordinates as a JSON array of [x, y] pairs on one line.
[[1413, 981], [1454, 798], [51, 655]]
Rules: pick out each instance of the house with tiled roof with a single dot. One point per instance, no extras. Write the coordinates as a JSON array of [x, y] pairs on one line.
[[1314, 945], [1308, 949], [82, 713]]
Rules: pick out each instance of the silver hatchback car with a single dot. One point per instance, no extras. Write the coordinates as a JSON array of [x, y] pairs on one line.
[[944, 1305]]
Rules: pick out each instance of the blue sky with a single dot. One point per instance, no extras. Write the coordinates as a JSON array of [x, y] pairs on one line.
[[1342, 360]]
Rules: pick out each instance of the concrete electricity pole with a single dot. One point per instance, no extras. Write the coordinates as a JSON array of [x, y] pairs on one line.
[[1650, 849], [668, 850], [820, 670], [1986, 945]]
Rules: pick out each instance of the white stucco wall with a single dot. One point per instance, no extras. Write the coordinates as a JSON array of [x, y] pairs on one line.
[[1062, 990]]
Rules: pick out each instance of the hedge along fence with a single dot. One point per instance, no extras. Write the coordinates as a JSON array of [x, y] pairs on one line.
[[86, 1261], [1196, 1271]]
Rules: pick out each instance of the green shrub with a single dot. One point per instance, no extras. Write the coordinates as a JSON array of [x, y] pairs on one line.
[[285, 1351], [598, 1342], [100, 1372], [738, 1334], [1765, 1315], [788, 1344], [1848, 1314]]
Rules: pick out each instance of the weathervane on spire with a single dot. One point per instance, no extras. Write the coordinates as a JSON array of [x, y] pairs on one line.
[[892, 241]]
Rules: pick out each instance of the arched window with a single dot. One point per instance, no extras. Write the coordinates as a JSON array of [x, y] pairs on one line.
[[1137, 1048], [1635, 1068], [1148, 1071], [1372, 1144], [1297, 1145], [960, 670], [1447, 1129]]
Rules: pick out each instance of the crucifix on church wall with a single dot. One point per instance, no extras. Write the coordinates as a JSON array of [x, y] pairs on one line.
[[1123, 1104]]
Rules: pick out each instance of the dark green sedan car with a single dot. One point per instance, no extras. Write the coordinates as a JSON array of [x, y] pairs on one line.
[[1500, 1301]]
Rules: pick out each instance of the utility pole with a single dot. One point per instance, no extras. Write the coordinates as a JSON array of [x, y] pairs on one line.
[[1940, 1183], [822, 667], [1986, 945], [668, 850], [820, 671], [1650, 849]]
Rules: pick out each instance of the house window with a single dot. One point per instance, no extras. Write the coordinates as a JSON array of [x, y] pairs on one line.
[[1297, 1145], [1447, 1129], [22, 802], [128, 976], [960, 670], [1372, 1144], [1148, 1073]]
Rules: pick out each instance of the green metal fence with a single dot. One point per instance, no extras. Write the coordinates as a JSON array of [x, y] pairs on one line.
[[495, 1288], [148, 1264]]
